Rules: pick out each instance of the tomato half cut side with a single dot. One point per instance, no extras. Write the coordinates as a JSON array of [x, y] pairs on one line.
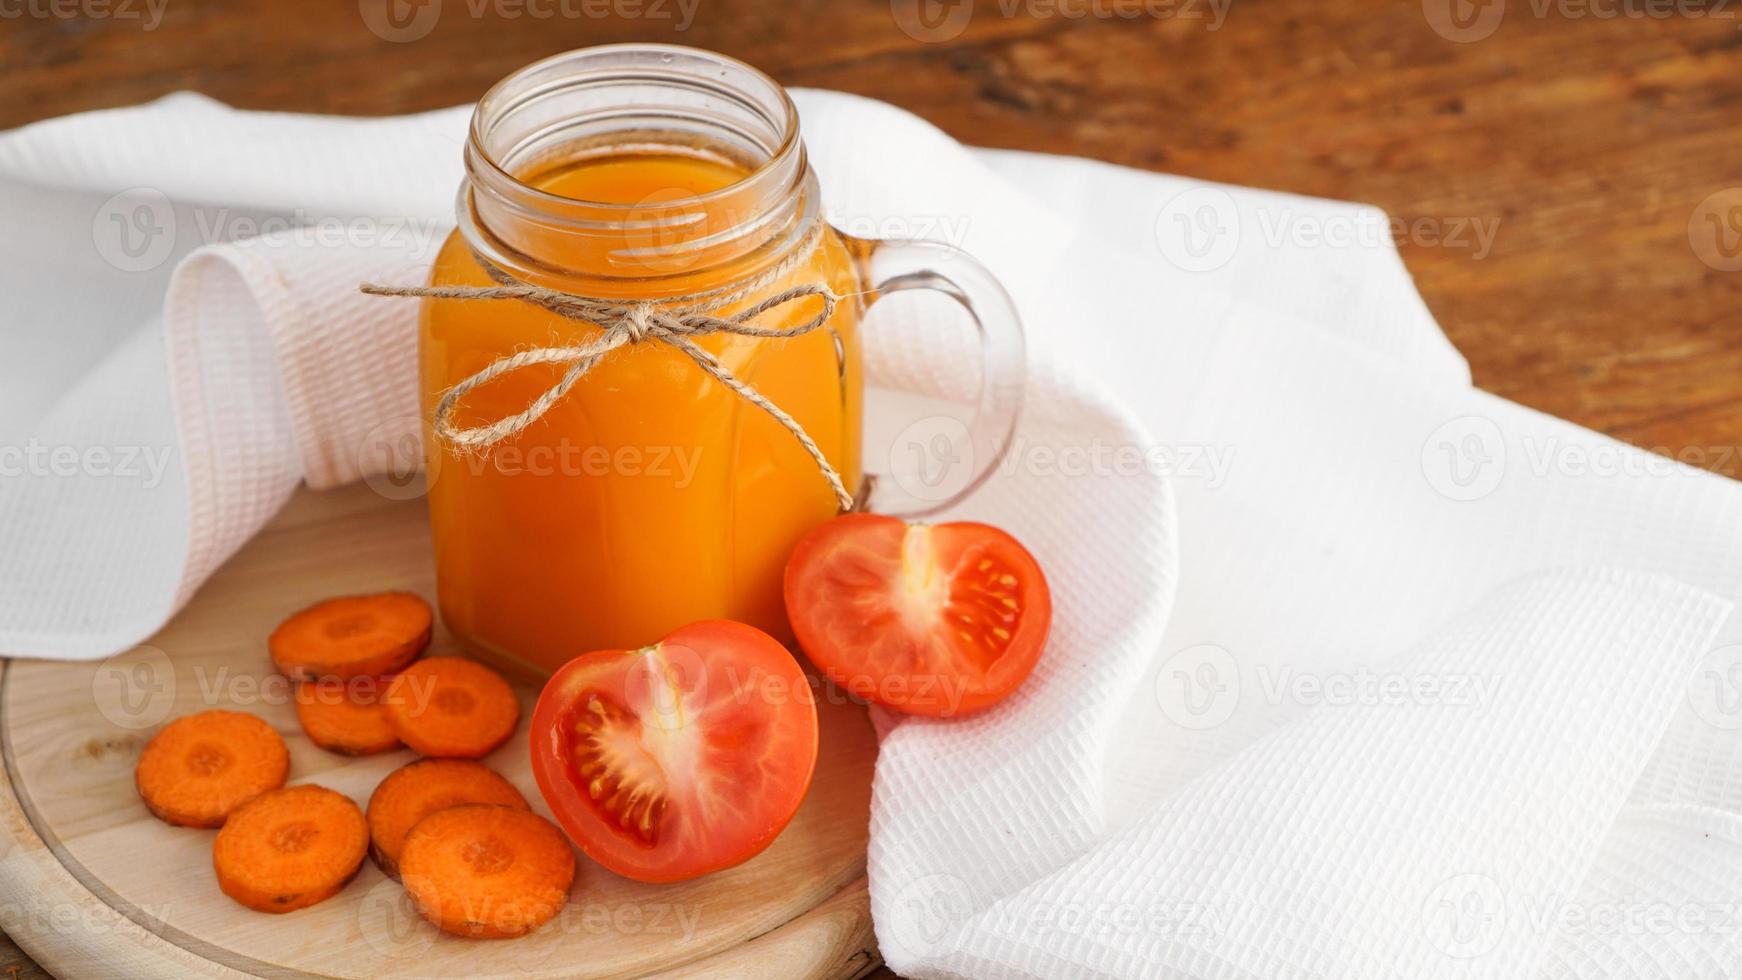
[[938, 619], [678, 759]]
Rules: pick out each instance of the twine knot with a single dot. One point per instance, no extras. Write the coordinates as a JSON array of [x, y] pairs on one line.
[[675, 322], [635, 324]]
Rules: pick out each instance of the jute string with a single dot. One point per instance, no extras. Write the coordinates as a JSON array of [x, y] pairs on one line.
[[674, 321]]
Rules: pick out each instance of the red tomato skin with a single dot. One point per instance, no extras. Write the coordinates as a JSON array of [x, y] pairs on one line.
[[551, 767]]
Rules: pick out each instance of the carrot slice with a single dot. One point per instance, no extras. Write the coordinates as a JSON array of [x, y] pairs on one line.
[[354, 636], [348, 717], [290, 848], [488, 872], [197, 770], [452, 708], [413, 792]]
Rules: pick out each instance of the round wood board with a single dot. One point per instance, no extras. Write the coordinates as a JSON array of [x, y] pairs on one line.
[[91, 884]]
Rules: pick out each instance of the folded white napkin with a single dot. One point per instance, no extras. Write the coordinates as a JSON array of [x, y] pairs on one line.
[[1347, 679]]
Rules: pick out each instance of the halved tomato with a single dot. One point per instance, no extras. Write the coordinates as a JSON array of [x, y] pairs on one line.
[[678, 759], [927, 619]]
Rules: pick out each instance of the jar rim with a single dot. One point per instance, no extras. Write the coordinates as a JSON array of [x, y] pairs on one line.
[[603, 98], [479, 153]]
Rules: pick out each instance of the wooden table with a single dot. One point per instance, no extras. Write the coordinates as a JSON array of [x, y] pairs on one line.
[[1600, 149]]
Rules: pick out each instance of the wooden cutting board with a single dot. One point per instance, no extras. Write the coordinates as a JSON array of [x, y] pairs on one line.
[[90, 884]]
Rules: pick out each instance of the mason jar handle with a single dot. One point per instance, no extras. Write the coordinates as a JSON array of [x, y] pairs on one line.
[[944, 449]]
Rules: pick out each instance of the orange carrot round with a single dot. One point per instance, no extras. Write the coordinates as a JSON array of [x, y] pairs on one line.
[[290, 848], [354, 636], [488, 872], [413, 792], [197, 770], [450, 707], [348, 717]]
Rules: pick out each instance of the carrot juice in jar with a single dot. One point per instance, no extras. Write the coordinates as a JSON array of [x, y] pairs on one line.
[[604, 501]]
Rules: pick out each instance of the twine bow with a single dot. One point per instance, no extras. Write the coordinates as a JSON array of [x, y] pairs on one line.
[[674, 322]]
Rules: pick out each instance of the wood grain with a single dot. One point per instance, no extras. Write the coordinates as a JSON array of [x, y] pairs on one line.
[[14, 965], [1588, 142], [97, 881]]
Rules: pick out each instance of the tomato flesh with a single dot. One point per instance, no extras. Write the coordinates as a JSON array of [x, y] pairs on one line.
[[927, 619], [678, 759]]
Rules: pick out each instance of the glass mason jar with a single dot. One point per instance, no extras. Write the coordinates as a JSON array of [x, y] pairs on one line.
[[650, 495]]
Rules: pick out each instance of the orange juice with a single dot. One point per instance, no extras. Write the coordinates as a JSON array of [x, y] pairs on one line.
[[650, 495], [646, 193]]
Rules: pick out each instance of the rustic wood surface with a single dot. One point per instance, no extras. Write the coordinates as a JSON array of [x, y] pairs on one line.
[[1599, 144], [79, 852]]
